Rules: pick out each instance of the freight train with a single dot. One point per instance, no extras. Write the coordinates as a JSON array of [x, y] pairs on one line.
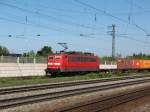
[[68, 62]]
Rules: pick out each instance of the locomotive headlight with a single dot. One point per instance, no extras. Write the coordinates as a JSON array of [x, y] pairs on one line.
[[56, 63], [50, 63]]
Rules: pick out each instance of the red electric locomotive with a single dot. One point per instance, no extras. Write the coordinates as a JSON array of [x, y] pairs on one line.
[[72, 62]]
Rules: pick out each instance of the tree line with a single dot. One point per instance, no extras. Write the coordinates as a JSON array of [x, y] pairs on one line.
[[139, 56], [4, 51], [133, 56], [44, 51]]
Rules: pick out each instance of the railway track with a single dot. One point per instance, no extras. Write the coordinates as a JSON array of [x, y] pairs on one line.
[[103, 104], [10, 90], [13, 102]]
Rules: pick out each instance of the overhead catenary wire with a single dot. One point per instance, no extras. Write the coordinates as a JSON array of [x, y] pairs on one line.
[[34, 25], [65, 13], [30, 23], [45, 27], [129, 16], [41, 26], [48, 16], [57, 29], [110, 15], [16, 19], [81, 25], [70, 10], [90, 12], [134, 39], [138, 42], [135, 4], [22, 37]]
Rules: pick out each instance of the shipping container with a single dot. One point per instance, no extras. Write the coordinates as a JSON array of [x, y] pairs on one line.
[[128, 64], [124, 64], [144, 64]]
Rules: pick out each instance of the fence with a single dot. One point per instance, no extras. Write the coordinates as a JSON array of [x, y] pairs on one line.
[[11, 59], [31, 66]]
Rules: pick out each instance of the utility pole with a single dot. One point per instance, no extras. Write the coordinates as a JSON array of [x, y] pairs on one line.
[[112, 33]]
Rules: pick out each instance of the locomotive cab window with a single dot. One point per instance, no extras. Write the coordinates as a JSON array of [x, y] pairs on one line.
[[57, 57], [50, 57]]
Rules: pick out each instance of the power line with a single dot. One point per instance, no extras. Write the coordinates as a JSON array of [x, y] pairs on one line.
[[89, 12], [135, 4], [131, 38], [45, 15], [133, 13], [34, 25], [129, 16], [72, 11], [66, 11], [37, 25], [45, 27], [23, 37], [131, 10], [110, 15]]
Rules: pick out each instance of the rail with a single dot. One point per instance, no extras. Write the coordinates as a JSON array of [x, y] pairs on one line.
[[106, 103], [28, 88], [12, 102]]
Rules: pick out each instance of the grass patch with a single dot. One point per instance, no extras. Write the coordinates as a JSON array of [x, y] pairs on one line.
[[13, 81], [42, 79]]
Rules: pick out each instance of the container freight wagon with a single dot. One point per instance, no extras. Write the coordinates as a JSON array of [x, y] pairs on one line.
[[145, 64], [126, 64], [72, 62]]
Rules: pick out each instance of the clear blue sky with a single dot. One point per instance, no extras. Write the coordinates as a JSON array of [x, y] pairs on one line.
[[64, 21]]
